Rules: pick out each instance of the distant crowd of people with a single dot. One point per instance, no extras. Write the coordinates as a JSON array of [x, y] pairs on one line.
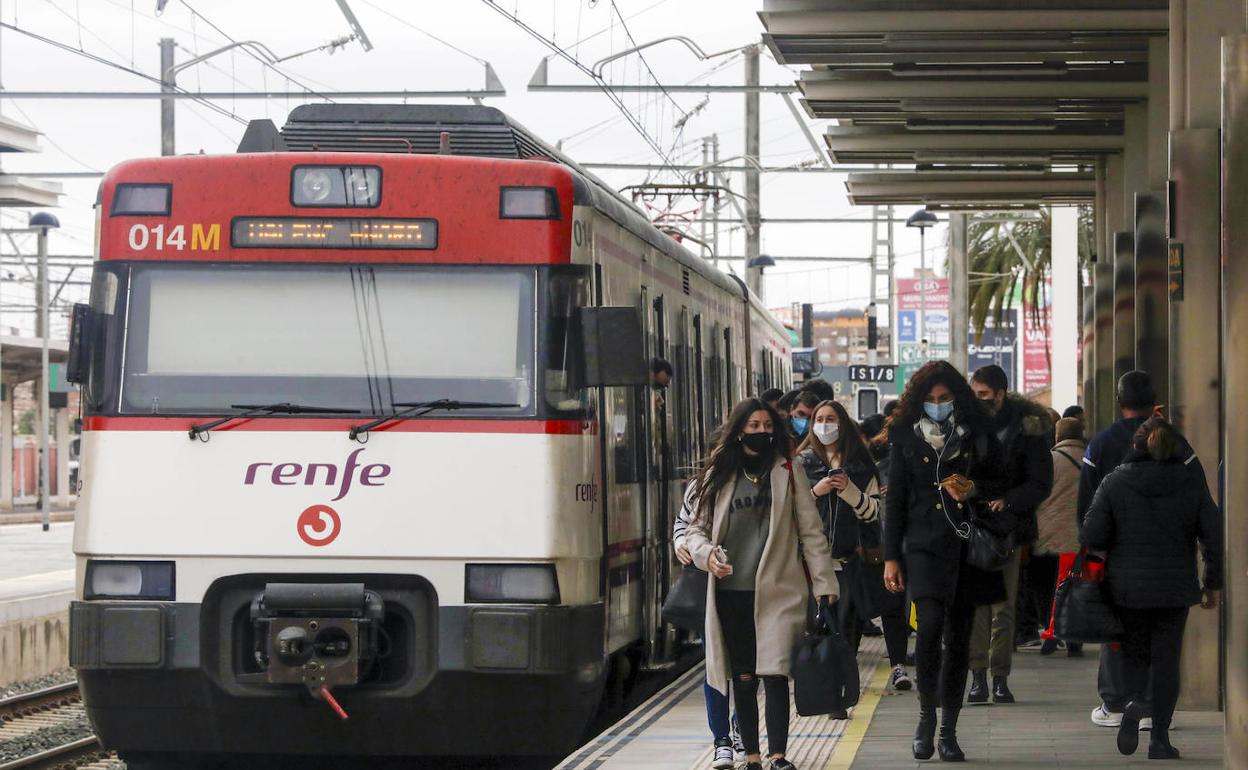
[[798, 502]]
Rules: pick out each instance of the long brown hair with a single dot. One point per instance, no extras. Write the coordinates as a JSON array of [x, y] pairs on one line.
[[850, 445], [966, 408], [728, 455]]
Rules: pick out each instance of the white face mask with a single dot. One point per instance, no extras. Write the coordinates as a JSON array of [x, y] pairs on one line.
[[827, 432]]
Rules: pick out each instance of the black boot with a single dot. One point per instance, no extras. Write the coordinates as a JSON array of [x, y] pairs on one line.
[[978, 694], [947, 746], [1129, 729], [1159, 744], [925, 733], [1001, 691]]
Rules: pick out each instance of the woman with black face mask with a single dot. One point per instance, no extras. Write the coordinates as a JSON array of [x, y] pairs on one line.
[[945, 458], [750, 517]]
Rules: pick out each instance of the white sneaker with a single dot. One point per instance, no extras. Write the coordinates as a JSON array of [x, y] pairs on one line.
[[900, 680], [723, 756], [1146, 723], [1106, 718]]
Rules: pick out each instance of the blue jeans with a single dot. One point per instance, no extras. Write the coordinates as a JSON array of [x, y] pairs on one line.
[[716, 711]]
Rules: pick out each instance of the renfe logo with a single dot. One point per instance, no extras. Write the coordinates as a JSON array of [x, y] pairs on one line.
[[328, 474], [319, 525]]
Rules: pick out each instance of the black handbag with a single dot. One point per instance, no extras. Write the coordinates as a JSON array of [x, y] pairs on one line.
[[986, 549], [1082, 608], [685, 605], [824, 669]]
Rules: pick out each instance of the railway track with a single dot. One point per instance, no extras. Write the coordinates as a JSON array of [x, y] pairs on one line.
[[24, 716]]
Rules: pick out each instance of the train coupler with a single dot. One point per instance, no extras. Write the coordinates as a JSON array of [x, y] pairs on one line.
[[319, 635]]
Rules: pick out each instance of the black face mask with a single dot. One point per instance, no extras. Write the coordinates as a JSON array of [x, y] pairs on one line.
[[757, 442]]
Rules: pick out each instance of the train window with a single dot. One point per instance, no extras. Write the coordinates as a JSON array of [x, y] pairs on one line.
[[200, 338], [728, 368], [623, 430], [567, 291]]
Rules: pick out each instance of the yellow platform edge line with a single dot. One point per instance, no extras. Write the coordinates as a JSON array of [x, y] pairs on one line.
[[847, 747]]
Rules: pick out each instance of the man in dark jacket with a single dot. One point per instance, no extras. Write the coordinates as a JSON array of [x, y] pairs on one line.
[[1137, 401], [1023, 428]]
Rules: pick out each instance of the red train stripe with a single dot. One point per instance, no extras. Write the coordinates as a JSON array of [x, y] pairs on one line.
[[298, 424]]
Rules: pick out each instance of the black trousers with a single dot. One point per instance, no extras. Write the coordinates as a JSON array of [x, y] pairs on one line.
[[1151, 642], [942, 678], [736, 620], [1042, 582], [862, 597]]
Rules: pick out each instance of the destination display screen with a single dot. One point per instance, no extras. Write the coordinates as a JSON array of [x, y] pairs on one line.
[[333, 233]]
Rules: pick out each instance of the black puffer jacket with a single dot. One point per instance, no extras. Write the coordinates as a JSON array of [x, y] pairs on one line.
[[1149, 515], [1023, 428]]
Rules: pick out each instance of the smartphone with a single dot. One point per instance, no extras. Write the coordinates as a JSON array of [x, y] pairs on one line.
[[722, 556], [836, 472]]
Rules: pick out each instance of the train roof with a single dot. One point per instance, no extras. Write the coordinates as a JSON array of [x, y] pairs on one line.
[[472, 130]]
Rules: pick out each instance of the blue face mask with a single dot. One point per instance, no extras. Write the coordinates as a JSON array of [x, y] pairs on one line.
[[938, 412], [799, 425]]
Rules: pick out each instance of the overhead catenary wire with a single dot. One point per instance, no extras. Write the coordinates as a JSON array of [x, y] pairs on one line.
[[602, 84], [116, 65], [311, 91]]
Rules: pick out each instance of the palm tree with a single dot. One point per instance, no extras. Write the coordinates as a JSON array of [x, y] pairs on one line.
[[1004, 253]]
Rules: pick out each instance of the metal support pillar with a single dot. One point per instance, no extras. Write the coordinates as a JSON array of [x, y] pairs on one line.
[[1158, 112], [753, 276], [1064, 329], [1152, 304], [167, 44], [1104, 401], [1196, 31], [1112, 208], [1124, 303], [1235, 389], [6, 447], [41, 303], [959, 293], [1089, 354]]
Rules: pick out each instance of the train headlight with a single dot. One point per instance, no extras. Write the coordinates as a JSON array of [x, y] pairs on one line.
[[129, 580], [336, 186], [511, 584], [528, 203]]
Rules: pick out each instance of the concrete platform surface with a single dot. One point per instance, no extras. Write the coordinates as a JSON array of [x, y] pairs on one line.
[[1048, 728], [25, 549]]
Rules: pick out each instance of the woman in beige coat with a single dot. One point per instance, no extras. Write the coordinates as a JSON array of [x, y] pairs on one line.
[[750, 516], [1058, 525]]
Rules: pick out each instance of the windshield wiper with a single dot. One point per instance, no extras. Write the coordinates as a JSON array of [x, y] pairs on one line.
[[418, 408], [251, 410]]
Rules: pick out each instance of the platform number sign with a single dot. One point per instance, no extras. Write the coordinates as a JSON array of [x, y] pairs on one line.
[[863, 373]]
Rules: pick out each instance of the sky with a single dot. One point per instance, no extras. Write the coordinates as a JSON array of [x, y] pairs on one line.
[[427, 45]]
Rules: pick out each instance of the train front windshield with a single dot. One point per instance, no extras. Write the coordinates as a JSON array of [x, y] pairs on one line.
[[199, 339]]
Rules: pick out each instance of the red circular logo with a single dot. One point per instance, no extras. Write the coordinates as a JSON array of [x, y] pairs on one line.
[[319, 525]]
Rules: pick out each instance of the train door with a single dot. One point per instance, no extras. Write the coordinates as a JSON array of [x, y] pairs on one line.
[[620, 442], [660, 639]]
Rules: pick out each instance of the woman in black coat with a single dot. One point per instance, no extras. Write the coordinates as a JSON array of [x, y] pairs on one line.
[[944, 463], [1148, 515]]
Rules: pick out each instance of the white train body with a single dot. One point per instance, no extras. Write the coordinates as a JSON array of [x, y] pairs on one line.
[[466, 581]]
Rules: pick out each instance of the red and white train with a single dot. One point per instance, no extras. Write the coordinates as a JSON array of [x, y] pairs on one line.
[[368, 429]]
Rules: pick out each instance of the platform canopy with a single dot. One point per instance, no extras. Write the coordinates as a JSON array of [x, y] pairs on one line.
[[20, 357], [958, 88]]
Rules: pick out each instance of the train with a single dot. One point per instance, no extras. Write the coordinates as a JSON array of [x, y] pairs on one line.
[[373, 462]]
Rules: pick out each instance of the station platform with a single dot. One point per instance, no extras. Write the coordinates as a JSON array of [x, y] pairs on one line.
[[36, 587], [1048, 728]]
